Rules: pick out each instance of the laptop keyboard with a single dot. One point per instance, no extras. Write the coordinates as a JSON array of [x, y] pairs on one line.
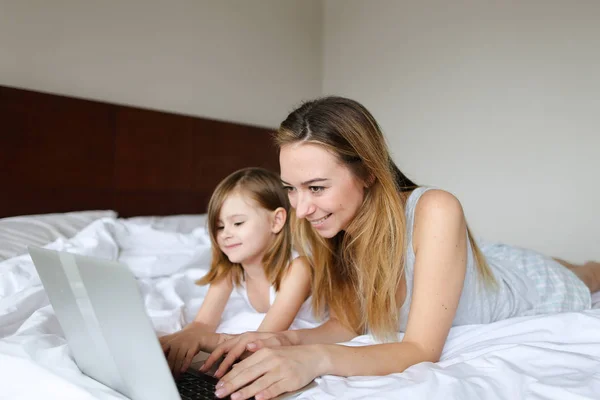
[[197, 387]]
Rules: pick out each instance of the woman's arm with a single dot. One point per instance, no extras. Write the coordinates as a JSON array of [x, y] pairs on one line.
[[330, 332], [440, 245], [293, 291], [439, 241]]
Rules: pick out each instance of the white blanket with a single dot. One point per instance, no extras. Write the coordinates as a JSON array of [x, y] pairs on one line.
[[544, 357]]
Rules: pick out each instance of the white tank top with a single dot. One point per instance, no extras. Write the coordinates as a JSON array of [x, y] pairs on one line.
[[304, 318]]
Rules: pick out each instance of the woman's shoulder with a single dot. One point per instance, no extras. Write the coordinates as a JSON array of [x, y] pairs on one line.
[[436, 199], [437, 203], [437, 209], [425, 200]]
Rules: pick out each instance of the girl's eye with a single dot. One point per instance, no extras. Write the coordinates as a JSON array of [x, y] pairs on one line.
[[238, 223], [220, 228], [288, 189], [316, 189]]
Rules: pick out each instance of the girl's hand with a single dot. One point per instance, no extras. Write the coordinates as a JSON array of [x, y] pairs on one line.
[[181, 347], [270, 372], [235, 348]]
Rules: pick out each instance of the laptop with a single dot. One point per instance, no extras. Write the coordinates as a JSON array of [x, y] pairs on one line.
[[99, 307]]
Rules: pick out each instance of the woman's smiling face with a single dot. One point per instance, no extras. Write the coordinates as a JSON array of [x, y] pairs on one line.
[[321, 188]]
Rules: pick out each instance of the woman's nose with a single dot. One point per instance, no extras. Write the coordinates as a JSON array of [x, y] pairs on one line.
[[304, 206]]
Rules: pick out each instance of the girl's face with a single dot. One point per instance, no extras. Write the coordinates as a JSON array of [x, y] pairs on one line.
[[245, 230], [321, 189]]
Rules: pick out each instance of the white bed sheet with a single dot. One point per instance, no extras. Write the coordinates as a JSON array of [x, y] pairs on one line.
[[543, 357]]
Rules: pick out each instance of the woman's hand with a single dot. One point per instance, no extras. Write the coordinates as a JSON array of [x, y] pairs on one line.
[[235, 348], [272, 371], [181, 347]]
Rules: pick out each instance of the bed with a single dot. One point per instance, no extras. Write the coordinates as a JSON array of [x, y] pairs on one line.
[[130, 184]]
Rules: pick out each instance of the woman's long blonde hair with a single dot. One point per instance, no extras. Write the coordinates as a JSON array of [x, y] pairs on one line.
[[357, 273], [264, 187]]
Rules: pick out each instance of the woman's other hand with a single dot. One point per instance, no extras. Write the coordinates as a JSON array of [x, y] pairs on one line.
[[271, 371], [234, 348]]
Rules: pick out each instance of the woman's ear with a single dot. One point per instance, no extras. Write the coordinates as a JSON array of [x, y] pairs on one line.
[[369, 181], [278, 220]]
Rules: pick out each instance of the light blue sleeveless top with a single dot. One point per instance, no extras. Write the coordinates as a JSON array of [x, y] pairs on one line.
[[529, 283]]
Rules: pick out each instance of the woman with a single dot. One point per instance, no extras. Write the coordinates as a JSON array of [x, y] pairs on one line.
[[388, 256]]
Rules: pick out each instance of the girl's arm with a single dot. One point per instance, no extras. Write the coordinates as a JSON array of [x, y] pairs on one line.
[[293, 291], [181, 347], [211, 310], [332, 331]]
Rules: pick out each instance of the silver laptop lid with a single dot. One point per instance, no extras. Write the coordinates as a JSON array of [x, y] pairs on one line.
[[99, 307]]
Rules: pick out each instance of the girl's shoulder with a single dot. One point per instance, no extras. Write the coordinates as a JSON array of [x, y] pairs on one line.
[[300, 263], [225, 282], [298, 269]]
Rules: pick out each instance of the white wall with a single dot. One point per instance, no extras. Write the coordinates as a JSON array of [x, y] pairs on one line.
[[238, 60], [498, 102]]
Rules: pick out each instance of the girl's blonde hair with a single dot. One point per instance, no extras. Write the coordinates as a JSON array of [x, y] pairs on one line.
[[357, 272], [264, 187]]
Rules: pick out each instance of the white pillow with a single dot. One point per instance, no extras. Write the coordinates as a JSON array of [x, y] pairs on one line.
[[16, 233], [184, 223]]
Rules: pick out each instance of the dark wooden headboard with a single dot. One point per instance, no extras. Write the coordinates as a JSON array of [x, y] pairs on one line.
[[61, 154]]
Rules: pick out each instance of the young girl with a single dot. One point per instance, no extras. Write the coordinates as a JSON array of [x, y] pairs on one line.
[[388, 256], [251, 251]]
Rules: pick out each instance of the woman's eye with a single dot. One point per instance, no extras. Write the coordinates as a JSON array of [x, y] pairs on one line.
[[238, 223], [220, 228], [288, 189], [316, 189]]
